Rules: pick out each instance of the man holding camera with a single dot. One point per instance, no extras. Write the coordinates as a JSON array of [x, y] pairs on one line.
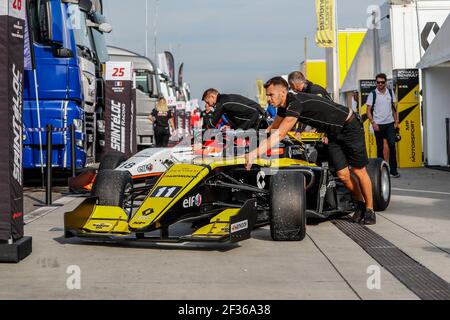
[[382, 114]]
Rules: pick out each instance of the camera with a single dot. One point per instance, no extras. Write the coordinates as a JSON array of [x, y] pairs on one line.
[[398, 137]]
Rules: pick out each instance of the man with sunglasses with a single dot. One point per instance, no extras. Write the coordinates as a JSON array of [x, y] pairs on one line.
[[382, 114]]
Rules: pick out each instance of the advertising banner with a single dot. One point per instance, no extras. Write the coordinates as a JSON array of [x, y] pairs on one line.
[[409, 150], [325, 33], [180, 76], [120, 111], [170, 65], [262, 98], [365, 88], [12, 27]]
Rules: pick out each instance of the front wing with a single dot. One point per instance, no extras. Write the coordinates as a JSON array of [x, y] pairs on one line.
[[90, 220]]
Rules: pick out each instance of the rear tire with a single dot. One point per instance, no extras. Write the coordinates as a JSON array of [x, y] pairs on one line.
[[288, 206], [112, 160], [378, 171], [113, 188]]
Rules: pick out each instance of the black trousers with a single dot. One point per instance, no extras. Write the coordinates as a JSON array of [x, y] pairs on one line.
[[387, 131], [162, 136]]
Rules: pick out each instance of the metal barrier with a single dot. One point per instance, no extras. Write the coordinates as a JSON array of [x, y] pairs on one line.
[[49, 163], [447, 126]]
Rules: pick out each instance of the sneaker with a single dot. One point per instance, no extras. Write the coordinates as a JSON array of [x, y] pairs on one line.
[[359, 212], [369, 217], [396, 175]]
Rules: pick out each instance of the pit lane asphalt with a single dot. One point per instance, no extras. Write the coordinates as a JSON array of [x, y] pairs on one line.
[[326, 265]]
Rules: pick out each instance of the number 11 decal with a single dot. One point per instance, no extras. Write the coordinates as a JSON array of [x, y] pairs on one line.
[[165, 192]]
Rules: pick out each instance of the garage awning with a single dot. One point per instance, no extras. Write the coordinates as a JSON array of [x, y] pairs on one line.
[[439, 51]]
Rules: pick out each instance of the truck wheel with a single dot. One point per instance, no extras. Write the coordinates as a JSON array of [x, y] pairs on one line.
[[113, 188], [112, 160], [288, 206], [378, 171]]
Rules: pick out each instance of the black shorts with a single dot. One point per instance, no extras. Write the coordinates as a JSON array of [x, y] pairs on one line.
[[348, 148]]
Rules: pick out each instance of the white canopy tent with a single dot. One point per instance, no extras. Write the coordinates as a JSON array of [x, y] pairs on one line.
[[435, 65]]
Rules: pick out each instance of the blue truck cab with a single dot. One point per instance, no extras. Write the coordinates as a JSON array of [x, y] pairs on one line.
[[61, 90]]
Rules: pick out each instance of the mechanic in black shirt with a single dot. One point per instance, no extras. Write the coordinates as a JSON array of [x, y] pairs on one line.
[[298, 84], [241, 112], [345, 133], [162, 118]]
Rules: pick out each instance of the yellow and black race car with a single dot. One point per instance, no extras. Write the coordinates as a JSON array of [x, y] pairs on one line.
[[218, 200]]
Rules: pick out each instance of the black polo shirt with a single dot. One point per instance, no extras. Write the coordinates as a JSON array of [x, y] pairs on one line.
[[241, 112], [316, 89], [315, 111]]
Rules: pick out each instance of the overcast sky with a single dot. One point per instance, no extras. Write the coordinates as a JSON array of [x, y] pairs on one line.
[[227, 44]]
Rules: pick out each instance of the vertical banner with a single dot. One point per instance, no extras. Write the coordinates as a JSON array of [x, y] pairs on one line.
[[180, 77], [325, 33], [409, 150], [262, 98], [120, 109], [365, 89], [12, 28], [170, 65]]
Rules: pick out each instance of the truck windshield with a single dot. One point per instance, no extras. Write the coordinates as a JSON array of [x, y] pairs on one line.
[[100, 45], [80, 29], [142, 82]]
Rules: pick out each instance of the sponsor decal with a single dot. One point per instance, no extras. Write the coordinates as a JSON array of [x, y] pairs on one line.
[[145, 168], [17, 215], [118, 126], [238, 226], [260, 180], [17, 124], [296, 152], [147, 212], [102, 225], [192, 201]]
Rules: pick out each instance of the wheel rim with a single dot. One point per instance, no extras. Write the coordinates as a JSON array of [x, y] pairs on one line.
[[385, 184]]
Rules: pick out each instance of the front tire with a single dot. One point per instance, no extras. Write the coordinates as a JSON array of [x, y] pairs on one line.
[[288, 206], [378, 171], [113, 188], [112, 160]]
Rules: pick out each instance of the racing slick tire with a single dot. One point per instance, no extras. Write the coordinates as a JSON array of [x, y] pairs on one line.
[[378, 171], [112, 160], [288, 206], [113, 188]]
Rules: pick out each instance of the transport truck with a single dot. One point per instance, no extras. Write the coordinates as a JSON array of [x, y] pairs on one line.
[[66, 41]]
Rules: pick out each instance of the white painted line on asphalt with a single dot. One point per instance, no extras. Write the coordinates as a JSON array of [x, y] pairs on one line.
[[43, 211], [421, 191]]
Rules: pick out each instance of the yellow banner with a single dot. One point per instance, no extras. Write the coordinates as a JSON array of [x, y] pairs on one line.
[[325, 34], [262, 98]]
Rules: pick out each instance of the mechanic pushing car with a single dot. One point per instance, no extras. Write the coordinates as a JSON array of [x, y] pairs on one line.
[[298, 84], [345, 133], [241, 112]]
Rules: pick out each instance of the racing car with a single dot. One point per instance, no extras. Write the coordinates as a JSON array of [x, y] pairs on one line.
[[218, 200]]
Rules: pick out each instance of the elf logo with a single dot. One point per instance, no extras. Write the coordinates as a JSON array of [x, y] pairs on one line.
[[192, 201]]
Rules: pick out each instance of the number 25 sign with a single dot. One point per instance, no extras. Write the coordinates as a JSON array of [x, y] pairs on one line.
[[118, 71]]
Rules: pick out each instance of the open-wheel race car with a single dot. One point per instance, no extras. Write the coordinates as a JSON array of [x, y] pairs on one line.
[[218, 200]]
